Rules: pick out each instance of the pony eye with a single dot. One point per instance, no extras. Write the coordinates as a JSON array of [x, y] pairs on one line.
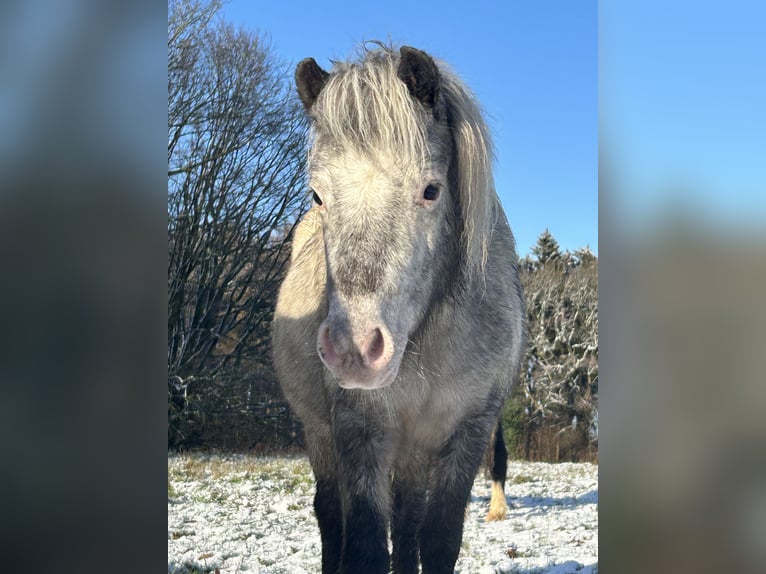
[[316, 198], [431, 193]]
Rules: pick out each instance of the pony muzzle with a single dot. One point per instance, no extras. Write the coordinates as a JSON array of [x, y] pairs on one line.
[[360, 359]]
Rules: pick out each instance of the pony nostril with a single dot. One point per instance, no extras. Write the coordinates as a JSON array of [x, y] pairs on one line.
[[354, 358], [376, 349], [325, 346], [376, 344]]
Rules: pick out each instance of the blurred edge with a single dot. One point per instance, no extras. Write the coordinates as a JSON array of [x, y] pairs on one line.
[[682, 465], [82, 294], [682, 282], [82, 310]]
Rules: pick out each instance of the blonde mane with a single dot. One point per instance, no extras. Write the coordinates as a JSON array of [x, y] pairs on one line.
[[474, 154], [366, 106]]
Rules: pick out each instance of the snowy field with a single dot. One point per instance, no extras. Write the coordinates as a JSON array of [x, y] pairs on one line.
[[237, 513]]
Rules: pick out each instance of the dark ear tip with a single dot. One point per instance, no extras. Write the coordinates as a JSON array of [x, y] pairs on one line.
[[412, 57], [421, 75], [302, 65], [408, 54], [310, 79], [307, 69]]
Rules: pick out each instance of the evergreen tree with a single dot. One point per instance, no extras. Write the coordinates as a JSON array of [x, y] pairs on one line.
[[547, 248], [584, 256]]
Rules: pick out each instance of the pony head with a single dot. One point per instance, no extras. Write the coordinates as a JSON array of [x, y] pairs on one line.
[[400, 172]]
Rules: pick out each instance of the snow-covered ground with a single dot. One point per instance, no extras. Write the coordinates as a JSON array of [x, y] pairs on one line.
[[238, 513]]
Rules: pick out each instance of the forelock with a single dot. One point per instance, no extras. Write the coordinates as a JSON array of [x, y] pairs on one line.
[[366, 107]]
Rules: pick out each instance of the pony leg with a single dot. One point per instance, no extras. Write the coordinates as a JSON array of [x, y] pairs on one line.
[[453, 473], [327, 500], [409, 488], [364, 460], [498, 507], [330, 518]]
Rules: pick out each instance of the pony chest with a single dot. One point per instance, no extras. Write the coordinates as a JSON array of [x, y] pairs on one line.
[[429, 422]]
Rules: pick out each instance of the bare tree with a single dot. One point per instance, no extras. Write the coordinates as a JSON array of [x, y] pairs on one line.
[[236, 143], [553, 413]]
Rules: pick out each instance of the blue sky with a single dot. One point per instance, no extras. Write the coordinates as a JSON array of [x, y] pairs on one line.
[[683, 112], [533, 66]]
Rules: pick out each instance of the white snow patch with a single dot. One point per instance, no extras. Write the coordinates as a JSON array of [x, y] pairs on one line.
[[252, 514]]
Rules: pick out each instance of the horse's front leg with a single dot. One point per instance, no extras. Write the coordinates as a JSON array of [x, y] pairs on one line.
[[409, 487], [327, 501], [453, 471], [365, 451]]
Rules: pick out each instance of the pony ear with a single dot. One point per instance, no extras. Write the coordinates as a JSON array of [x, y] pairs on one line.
[[419, 73], [310, 79]]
